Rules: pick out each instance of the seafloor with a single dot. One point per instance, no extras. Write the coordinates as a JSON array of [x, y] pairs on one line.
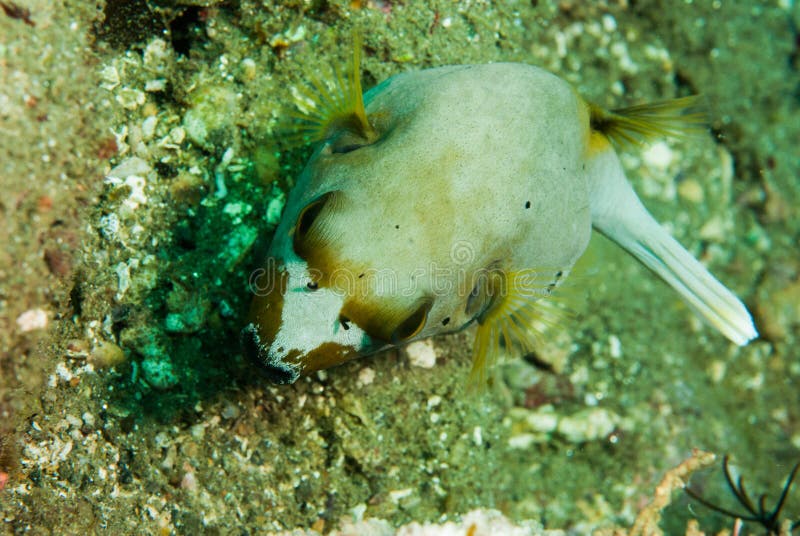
[[125, 404]]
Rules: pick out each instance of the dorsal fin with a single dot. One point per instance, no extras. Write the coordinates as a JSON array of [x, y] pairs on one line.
[[324, 107], [638, 125]]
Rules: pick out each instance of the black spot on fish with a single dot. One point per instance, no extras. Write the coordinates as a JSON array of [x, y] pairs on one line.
[[345, 322], [445, 321], [527, 204], [396, 226]]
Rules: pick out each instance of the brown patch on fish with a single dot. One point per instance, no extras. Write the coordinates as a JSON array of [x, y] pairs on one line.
[[267, 306]]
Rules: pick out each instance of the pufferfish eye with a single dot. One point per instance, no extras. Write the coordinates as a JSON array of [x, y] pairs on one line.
[[307, 216], [308, 221]]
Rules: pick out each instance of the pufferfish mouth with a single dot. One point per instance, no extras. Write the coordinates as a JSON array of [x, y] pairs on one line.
[[289, 367], [276, 371]]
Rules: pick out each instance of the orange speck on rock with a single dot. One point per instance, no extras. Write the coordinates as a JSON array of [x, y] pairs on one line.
[[107, 149], [44, 203]]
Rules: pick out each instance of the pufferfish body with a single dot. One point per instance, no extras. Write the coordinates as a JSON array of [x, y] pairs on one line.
[[452, 196]]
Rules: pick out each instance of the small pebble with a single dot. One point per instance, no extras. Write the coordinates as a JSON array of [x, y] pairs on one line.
[[366, 376], [587, 425], [434, 401], [477, 436], [691, 190], [149, 127], [614, 346], [716, 370], [130, 166], [154, 86], [106, 355], [422, 354], [248, 70], [659, 155], [522, 441], [230, 411], [542, 421], [88, 419], [32, 319], [188, 482], [397, 495], [130, 98], [714, 230]]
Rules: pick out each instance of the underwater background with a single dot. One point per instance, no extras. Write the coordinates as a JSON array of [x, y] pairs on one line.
[[142, 175]]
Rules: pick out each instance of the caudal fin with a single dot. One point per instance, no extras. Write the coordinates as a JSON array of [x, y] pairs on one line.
[[701, 290], [618, 213]]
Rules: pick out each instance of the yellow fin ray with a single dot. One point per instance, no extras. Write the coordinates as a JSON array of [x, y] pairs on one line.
[[324, 108], [518, 315], [638, 125]]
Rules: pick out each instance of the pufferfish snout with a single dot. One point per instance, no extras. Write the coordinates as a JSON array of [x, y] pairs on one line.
[[287, 349], [452, 196]]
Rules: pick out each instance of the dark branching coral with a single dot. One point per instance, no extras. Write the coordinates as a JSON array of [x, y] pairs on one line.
[[769, 519]]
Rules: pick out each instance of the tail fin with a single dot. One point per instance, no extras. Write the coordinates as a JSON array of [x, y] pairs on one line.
[[618, 214]]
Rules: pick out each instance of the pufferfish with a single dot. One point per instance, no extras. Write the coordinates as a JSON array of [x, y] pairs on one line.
[[454, 196]]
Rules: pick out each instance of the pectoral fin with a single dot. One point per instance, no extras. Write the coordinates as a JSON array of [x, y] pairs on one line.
[[513, 316]]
